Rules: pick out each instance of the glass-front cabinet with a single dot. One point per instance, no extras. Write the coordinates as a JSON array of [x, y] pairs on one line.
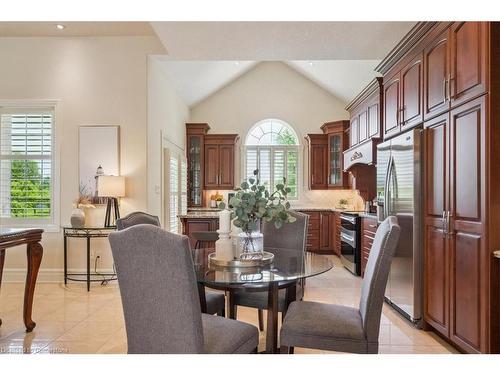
[[338, 140], [195, 133], [336, 159]]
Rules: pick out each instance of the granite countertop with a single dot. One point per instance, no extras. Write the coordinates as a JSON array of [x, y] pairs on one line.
[[318, 209], [200, 215], [371, 215], [213, 213]]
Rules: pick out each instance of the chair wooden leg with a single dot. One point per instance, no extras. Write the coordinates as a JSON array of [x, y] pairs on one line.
[[233, 309], [291, 349], [261, 320]]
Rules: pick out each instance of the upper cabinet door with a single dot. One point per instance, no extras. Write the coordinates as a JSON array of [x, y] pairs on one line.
[[436, 74], [363, 126], [354, 131], [226, 167], [319, 166], [411, 93], [468, 61], [373, 120], [211, 166], [391, 106]]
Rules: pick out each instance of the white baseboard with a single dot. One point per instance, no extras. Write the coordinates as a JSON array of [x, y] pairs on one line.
[[46, 275]]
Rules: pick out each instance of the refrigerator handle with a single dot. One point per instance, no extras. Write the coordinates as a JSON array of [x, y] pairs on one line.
[[386, 188]]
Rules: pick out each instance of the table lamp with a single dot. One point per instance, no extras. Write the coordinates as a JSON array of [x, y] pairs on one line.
[[111, 187]]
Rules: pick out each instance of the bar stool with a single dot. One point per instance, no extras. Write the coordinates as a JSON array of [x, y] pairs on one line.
[[204, 238]]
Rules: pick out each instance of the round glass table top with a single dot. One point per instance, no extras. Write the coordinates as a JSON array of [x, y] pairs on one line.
[[288, 265]]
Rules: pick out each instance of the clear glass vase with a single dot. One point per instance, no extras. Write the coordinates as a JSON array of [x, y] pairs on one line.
[[250, 245]]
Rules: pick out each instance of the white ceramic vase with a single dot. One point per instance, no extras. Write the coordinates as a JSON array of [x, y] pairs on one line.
[[77, 218]]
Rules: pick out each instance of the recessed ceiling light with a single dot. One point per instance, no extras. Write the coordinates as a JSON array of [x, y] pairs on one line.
[[60, 26], [311, 63], [236, 63]]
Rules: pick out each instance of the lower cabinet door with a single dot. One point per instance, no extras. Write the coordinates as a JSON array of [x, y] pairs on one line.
[[469, 289], [436, 277], [466, 296], [199, 225]]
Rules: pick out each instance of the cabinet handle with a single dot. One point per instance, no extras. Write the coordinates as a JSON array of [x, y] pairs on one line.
[[449, 86], [443, 225], [496, 254], [448, 223], [372, 225], [445, 95]]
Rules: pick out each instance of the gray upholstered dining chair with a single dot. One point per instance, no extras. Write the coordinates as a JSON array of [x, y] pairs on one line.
[[341, 328], [215, 302], [290, 236], [160, 299], [135, 218]]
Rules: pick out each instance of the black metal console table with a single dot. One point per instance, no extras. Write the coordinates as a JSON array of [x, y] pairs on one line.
[[87, 233]]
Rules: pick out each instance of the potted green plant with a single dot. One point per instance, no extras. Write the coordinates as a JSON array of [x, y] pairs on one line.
[[343, 203], [252, 204]]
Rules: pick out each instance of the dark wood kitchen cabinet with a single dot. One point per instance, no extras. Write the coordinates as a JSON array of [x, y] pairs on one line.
[[326, 160], [194, 224], [336, 233], [318, 161], [195, 135], [337, 136], [455, 67], [403, 98], [219, 161], [360, 159], [321, 231], [436, 248], [455, 258], [468, 61], [368, 229], [365, 113], [436, 75], [461, 108]]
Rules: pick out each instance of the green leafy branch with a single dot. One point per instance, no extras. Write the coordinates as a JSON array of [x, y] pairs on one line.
[[253, 203]]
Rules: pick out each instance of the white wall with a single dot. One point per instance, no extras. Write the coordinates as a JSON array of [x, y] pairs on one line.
[[167, 117], [274, 90], [98, 81]]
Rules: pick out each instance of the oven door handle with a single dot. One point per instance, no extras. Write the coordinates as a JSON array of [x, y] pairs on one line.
[[350, 219], [349, 240]]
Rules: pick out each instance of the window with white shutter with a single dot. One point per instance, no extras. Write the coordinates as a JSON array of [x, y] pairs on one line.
[[174, 194], [272, 147], [26, 165], [175, 187]]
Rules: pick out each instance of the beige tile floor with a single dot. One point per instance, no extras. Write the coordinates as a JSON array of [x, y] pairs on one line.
[[70, 320]]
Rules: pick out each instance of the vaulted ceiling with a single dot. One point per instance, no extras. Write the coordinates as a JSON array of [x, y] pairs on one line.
[[202, 57], [338, 56]]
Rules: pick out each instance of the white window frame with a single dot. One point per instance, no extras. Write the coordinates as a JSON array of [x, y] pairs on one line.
[[298, 148], [172, 151], [51, 224], [272, 150]]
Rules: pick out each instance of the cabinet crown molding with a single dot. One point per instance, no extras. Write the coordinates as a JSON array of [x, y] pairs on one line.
[[369, 90], [404, 46]]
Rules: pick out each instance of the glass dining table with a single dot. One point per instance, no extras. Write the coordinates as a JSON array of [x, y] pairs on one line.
[[288, 267]]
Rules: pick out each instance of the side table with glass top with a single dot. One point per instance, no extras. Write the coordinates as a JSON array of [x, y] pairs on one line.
[[88, 233]]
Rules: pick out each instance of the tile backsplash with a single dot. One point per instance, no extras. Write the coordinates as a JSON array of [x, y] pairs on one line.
[[313, 198]]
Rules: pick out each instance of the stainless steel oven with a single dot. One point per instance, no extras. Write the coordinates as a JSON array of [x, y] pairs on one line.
[[350, 241]]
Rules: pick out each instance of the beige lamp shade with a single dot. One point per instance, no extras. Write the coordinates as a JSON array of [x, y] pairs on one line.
[[111, 186]]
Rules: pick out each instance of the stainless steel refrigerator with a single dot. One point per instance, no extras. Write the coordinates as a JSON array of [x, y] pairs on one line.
[[399, 188]]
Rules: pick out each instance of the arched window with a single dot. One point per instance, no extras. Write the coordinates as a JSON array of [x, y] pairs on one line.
[[272, 147]]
